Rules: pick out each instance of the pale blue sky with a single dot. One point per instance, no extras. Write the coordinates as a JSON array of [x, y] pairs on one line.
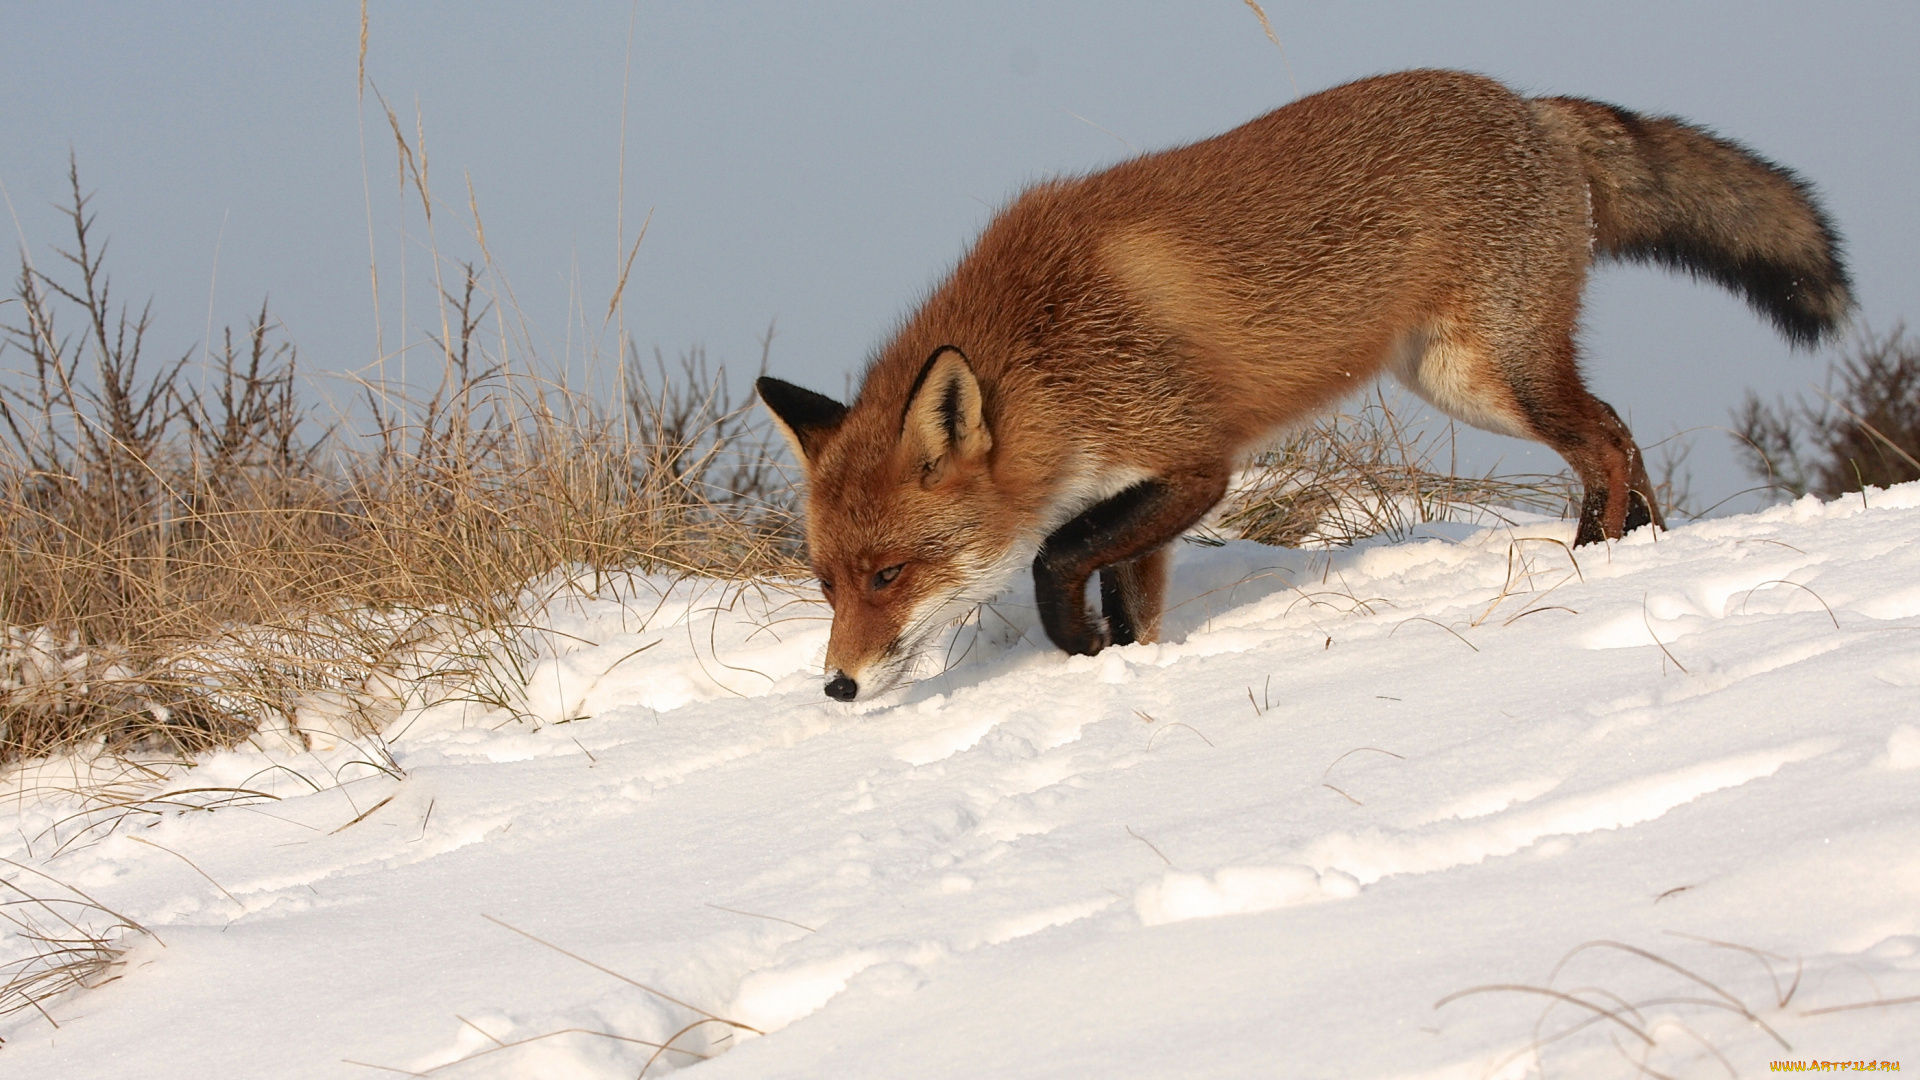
[[823, 163]]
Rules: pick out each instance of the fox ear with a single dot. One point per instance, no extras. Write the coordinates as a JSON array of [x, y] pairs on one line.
[[943, 425], [805, 418]]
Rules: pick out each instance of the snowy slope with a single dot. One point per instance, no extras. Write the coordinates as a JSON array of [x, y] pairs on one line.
[[1351, 784]]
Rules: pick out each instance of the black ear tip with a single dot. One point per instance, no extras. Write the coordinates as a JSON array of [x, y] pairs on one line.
[[800, 408]]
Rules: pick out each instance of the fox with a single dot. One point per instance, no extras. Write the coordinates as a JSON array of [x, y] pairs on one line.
[[1080, 389]]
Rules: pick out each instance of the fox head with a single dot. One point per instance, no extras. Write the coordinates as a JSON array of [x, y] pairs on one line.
[[905, 528]]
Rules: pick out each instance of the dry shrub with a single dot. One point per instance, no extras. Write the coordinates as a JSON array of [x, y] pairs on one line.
[[186, 559], [1864, 430], [1368, 472]]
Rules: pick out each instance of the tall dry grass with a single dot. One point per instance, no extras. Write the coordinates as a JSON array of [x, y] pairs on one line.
[[186, 552]]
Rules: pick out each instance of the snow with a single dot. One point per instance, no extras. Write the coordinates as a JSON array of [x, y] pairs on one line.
[[1364, 813]]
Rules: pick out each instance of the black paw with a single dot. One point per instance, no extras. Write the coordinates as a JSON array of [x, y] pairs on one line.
[[1085, 640]]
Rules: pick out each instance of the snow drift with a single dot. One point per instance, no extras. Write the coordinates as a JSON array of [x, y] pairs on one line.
[[1470, 804]]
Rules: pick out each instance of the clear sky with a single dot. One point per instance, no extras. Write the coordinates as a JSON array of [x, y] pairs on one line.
[[819, 165]]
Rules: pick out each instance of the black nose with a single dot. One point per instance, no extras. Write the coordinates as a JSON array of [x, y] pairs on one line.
[[841, 688]]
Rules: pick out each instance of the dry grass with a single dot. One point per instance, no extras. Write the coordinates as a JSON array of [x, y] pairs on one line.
[[189, 554], [184, 559], [703, 1019], [1612, 1002], [78, 941], [1370, 472], [1678, 1017]]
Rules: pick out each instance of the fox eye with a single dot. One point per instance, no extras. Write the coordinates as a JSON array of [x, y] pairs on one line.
[[885, 577], [826, 586]]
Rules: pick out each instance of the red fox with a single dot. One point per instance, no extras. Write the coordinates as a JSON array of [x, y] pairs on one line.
[[1078, 391]]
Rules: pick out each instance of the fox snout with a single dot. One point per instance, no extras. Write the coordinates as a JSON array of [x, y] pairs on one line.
[[850, 681], [841, 688], [866, 654]]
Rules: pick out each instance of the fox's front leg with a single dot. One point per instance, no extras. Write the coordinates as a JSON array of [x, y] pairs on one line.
[[1131, 595], [1146, 516]]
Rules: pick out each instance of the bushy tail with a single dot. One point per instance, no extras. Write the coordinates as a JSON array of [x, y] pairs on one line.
[[1669, 193]]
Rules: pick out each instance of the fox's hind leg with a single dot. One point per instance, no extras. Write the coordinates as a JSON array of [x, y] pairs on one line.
[[1618, 495], [1132, 594], [1530, 387], [1643, 501]]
